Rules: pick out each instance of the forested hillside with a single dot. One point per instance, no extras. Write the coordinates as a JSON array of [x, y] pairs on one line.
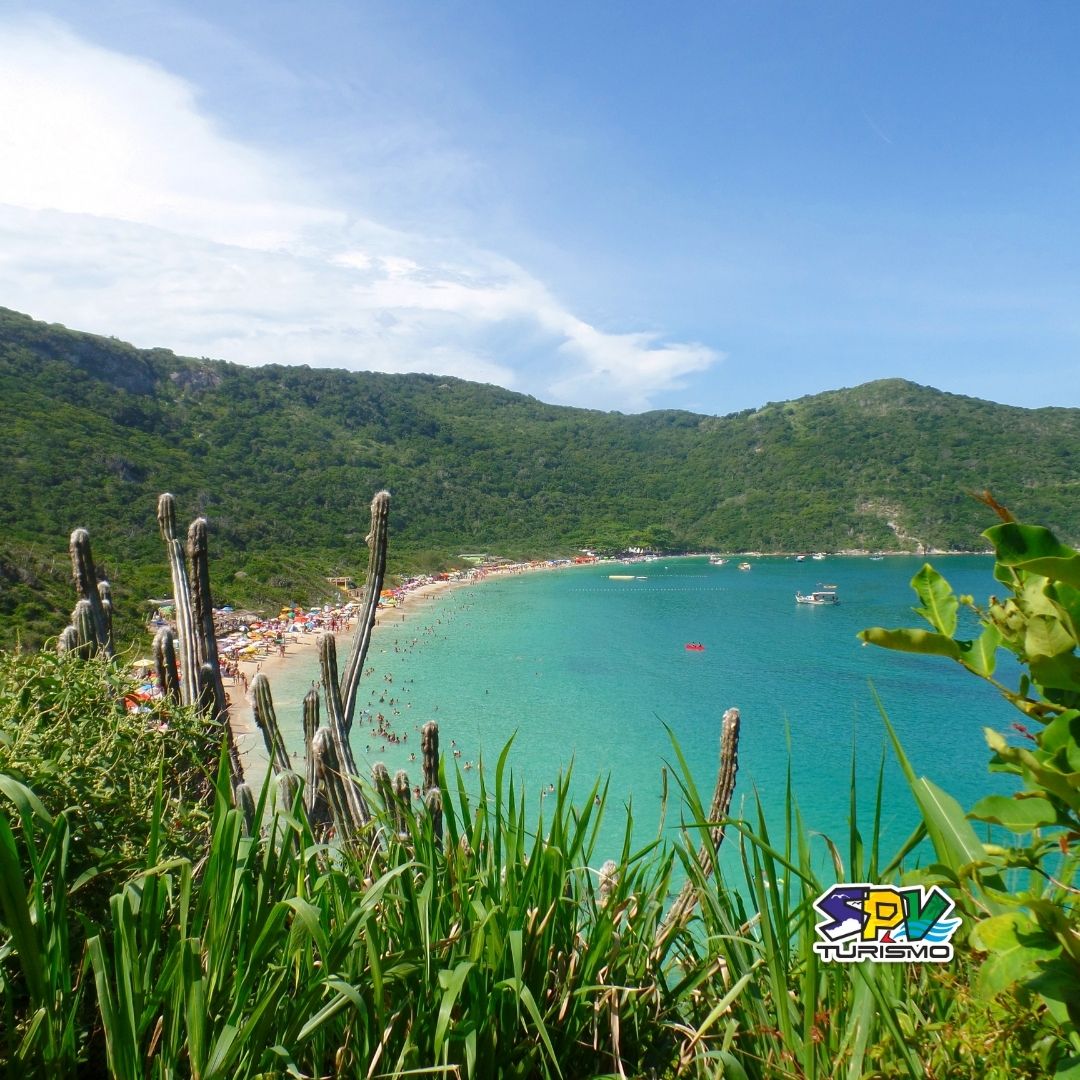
[[284, 460]]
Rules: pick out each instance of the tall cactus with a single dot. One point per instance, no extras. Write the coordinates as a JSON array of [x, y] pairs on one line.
[[357, 814], [377, 540], [315, 799], [266, 718], [185, 630], [95, 635], [687, 899], [203, 613], [105, 594], [200, 671]]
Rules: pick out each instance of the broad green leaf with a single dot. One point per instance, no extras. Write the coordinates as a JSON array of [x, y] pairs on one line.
[[1035, 549], [1016, 945], [1061, 672], [913, 641], [1047, 636], [1058, 980], [982, 656], [1020, 815], [939, 604]]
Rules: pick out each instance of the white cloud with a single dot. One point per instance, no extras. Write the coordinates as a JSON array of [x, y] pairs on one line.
[[124, 210]]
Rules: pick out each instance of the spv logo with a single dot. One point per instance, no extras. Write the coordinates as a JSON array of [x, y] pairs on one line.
[[885, 924]]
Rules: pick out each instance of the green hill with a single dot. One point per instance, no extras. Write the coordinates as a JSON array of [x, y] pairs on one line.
[[284, 460]]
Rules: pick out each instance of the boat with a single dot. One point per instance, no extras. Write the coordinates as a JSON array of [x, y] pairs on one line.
[[818, 556], [820, 597], [745, 566], [695, 646], [717, 560], [621, 577]]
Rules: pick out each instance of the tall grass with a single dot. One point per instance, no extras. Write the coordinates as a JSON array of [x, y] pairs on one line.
[[500, 950]]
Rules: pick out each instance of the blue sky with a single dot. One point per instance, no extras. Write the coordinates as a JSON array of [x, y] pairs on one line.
[[614, 205]]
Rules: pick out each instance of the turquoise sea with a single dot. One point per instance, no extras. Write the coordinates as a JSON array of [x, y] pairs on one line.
[[581, 669]]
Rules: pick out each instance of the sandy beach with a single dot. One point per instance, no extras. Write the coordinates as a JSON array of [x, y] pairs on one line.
[[412, 603]]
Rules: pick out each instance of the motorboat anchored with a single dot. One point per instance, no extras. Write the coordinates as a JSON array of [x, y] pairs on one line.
[[821, 597]]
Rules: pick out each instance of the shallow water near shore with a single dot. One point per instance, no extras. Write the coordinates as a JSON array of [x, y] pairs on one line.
[[580, 668]]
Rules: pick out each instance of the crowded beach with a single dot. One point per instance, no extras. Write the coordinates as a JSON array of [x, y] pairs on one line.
[[250, 642]]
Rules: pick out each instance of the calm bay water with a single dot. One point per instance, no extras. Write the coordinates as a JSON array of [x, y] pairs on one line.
[[580, 668]]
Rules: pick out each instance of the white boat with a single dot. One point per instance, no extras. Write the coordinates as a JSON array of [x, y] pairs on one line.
[[820, 597], [717, 560], [817, 557], [745, 566]]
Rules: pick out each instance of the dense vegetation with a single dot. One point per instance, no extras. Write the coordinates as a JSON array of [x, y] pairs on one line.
[[282, 460], [496, 947]]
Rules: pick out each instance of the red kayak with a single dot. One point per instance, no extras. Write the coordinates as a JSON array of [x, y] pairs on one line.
[[695, 646]]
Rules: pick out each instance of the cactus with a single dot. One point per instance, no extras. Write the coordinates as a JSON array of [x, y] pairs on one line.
[[245, 803], [357, 814], [402, 800], [725, 789], [165, 664], [266, 718], [609, 881], [328, 777], [380, 775], [86, 585], [377, 543], [185, 631], [288, 786], [68, 641], [429, 750], [203, 612], [82, 619], [189, 673], [433, 802], [315, 801], [105, 594]]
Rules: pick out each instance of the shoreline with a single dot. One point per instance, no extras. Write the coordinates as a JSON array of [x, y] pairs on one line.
[[411, 603]]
